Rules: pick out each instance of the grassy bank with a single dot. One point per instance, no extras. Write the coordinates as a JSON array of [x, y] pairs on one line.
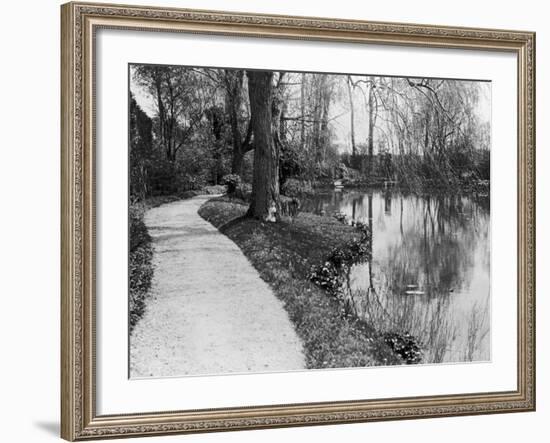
[[140, 266], [284, 254]]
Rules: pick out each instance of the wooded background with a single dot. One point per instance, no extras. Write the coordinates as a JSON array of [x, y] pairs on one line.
[[191, 127]]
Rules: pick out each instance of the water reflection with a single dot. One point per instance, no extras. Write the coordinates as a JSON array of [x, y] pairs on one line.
[[429, 273]]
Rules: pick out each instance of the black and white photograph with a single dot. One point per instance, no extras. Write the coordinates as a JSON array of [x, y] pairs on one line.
[[288, 221], [275, 221]]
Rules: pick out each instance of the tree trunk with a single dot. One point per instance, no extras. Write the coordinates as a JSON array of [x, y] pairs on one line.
[[280, 138], [352, 122], [324, 140], [157, 79], [237, 162], [370, 141], [426, 134], [234, 87], [316, 129], [265, 182], [303, 112]]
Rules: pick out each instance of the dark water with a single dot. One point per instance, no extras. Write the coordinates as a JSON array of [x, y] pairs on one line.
[[429, 274]]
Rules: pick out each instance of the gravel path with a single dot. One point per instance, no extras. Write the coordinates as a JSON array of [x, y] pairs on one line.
[[209, 311]]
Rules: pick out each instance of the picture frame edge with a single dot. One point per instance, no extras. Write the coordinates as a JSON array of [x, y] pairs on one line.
[[78, 420]]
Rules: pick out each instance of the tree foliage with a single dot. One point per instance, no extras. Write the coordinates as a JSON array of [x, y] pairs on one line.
[[192, 126]]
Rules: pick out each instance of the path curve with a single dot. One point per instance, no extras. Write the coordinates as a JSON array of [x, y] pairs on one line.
[[209, 311]]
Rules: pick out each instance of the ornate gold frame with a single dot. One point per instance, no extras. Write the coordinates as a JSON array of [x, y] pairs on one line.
[[79, 21]]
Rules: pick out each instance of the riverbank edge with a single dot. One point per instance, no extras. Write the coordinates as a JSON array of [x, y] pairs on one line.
[[284, 253], [482, 187]]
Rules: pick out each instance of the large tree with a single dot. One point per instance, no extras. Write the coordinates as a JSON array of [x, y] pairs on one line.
[[180, 98], [265, 183]]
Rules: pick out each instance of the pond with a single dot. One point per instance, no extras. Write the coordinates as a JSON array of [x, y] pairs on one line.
[[429, 274]]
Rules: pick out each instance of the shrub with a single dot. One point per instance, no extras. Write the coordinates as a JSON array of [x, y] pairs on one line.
[[244, 192], [289, 206], [138, 231], [141, 274], [189, 194], [294, 187], [215, 189], [232, 181], [404, 345], [140, 264], [332, 274], [189, 182]]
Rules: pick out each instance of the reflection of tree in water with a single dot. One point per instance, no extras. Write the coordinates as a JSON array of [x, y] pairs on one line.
[[442, 336], [387, 203], [441, 242], [410, 284], [433, 253]]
